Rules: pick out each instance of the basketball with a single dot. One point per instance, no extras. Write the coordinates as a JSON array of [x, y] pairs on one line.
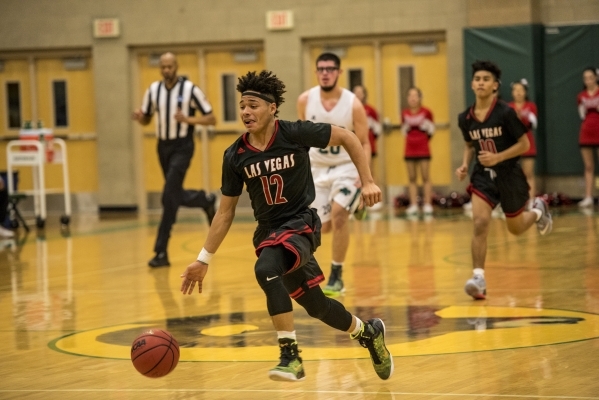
[[155, 353]]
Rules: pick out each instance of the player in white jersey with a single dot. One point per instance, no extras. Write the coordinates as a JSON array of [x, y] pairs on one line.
[[335, 177]]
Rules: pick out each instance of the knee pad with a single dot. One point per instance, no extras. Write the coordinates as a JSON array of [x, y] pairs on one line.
[[269, 270]]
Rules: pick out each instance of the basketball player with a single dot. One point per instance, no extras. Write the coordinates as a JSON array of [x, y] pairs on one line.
[[272, 160], [588, 140], [418, 127], [497, 137], [527, 112], [335, 177]]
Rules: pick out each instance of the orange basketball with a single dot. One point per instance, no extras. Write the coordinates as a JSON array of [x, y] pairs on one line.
[[155, 353]]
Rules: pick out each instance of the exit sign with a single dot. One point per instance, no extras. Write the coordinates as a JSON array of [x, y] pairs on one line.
[[279, 20], [106, 28]]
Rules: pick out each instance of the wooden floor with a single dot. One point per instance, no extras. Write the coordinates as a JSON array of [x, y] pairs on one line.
[[70, 307]]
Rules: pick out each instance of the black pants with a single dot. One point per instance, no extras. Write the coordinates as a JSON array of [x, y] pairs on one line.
[[175, 157]]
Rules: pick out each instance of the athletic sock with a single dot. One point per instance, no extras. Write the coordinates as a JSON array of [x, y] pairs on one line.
[[478, 271], [286, 335], [358, 327], [336, 269]]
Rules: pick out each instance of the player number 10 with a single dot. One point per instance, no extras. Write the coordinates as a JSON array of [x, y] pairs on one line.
[[488, 145]]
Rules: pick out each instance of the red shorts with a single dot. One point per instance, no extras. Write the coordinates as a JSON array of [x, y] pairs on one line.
[[417, 145], [372, 140], [532, 151], [589, 130]]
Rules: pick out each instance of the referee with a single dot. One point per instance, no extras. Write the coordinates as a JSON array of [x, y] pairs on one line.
[[175, 100]]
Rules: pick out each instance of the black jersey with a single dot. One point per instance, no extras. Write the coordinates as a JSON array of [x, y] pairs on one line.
[[278, 179], [500, 130]]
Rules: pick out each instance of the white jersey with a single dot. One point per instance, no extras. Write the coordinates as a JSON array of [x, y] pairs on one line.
[[341, 115]]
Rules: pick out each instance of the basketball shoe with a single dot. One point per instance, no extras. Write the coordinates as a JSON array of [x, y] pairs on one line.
[[372, 337], [6, 233], [476, 287], [412, 210], [586, 202], [360, 213], [159, 260], [334, 287], [210, 209], [545, 223], [427, 209], [290, 369]]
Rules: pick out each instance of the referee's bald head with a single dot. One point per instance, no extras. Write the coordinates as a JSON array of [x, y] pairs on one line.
[[168, 66]]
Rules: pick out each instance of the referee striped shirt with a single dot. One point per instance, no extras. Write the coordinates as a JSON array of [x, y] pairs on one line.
[[165, 102]]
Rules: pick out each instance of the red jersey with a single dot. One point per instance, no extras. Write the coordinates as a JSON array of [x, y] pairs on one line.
[[418, 128], [528, 115], [374, 127], [588, 105]]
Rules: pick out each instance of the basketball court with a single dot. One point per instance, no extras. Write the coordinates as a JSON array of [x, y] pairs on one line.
[[73, 303]]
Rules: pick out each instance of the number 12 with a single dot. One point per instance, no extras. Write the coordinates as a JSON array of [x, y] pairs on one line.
[[277, 180]]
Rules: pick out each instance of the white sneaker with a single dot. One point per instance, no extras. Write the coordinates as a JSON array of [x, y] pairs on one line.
[[467, 206], [586, 202], [545, 223], [476, 287], [412, 210], [427, 209], [6, 233], [498, 212]]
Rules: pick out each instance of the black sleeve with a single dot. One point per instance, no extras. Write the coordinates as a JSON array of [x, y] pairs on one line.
[[513, 124], [309, 134], [463, 127], [232, 180]]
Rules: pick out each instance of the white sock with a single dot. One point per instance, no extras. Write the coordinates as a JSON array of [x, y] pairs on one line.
[[479, 271], [337, 263], [286, 335], [538, 212], [358, 327]]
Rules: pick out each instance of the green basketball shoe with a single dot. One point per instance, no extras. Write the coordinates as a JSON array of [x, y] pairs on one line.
[[372, 337], [290, 369]]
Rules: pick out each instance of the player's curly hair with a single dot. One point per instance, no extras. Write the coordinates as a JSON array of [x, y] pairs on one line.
[[489, 66], [265, 82]]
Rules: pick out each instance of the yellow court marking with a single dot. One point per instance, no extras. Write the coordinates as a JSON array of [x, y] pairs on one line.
[[513, 327], [228, 330]]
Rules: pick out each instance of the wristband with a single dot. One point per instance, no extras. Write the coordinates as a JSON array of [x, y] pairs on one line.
[[204, 256]]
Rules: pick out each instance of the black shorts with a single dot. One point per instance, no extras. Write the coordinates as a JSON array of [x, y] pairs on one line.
[[501, 184], [301, 236]]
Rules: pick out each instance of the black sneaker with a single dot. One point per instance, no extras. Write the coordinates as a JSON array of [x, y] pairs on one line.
[[372, 337], [290, 369], [335, 285], [159, 260], [211, 208]]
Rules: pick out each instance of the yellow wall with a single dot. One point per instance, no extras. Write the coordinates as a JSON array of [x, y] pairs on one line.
[[218, 64], [14, 71], [431, 77], [82, 158], [80, 95]]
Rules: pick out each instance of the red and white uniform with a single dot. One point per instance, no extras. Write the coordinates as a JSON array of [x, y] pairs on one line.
[[418, 128], [588, 106], [374, 127], [528, 115]]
